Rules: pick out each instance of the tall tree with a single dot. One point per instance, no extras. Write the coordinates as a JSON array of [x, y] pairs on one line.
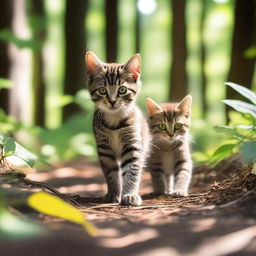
[[37, 20], [244, 36], [111, 14], [75, 38], [137, 28], [203, 57], [5, 23], [178, 83]]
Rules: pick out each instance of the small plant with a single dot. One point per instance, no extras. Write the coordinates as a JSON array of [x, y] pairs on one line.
[[241, 135], [10, 148]]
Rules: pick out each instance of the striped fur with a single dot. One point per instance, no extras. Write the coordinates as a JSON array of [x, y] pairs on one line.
[[121, 131], [170, 162]]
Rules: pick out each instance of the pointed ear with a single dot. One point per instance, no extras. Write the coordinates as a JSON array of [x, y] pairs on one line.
[[152, 107], [185, 105], [93, 64], [133, 66]]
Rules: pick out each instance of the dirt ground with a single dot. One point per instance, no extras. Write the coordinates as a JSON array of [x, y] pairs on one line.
[[218, 218]]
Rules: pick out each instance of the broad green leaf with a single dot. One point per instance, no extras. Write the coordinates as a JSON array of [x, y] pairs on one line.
[[22, 153], [249, 151], [54, 206], [250, 95], [245, 127], [225, 129], [9, 146], [223, 151], [5, 83], [242, 106], [13, 227]]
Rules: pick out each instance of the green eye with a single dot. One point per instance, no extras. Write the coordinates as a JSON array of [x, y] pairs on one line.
[[122, 90], [177, 126], [162, 126], [102, 90]]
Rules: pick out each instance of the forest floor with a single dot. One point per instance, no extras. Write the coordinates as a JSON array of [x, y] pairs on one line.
[[217, 218]]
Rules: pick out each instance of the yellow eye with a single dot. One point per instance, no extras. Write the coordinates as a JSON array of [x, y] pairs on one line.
[[122, 90], [177, 126], [102, 90], [162, 127]]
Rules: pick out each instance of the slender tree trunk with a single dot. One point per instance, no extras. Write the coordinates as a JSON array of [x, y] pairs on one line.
[[111, 14], [75, 48], [137, 29], [36, 11], [178, 82], [244, 36], [203, 57], [5, 23]]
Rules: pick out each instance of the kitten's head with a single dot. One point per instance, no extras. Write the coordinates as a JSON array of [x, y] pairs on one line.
[[112, 86], [168, 121]]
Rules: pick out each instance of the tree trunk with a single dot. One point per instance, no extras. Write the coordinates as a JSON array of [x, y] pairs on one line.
[[137, 29], [111, 14], [75, 48], [5, 23], [178, 82], [36, 11], [244, 36], [203, 57]]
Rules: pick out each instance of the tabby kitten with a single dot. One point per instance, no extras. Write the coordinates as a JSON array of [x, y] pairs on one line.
[[170, 162], [121, 131]]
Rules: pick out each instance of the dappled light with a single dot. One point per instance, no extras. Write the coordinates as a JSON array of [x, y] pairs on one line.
[[127, 127]]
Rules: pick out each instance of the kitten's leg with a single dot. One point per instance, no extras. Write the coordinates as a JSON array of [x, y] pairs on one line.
[[170, 183], [183, 173], [158, 181], [131, 165], [110, 169]]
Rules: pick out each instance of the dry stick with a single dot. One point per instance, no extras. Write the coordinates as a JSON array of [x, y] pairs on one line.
[[53, 190]]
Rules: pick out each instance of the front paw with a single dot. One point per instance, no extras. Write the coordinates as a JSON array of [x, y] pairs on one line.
[[179, 193], [112, 198], [131, 199]]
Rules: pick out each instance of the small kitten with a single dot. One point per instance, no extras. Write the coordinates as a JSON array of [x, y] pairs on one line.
[[121, 131], [170, 162]]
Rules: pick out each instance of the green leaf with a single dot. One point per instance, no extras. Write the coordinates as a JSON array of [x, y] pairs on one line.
[[13, 227], [22, 153], [242, 107], [249, 151], [54, 206], [223, 151], [225, 129], [250, 95], [5, 83], [8, 36], [9, 146]]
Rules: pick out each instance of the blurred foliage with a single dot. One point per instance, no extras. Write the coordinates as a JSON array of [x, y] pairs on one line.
[[8, 36], [13, 227], [241, 133]]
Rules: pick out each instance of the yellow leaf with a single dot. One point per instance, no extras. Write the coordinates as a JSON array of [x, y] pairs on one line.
[[54, 206]]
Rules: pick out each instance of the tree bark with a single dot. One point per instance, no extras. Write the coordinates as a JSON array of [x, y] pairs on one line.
[[137, 29], [244, 36], [75, 49], [37, 11], [111, 14], [178, 81], [5, 23], [203, 58]]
